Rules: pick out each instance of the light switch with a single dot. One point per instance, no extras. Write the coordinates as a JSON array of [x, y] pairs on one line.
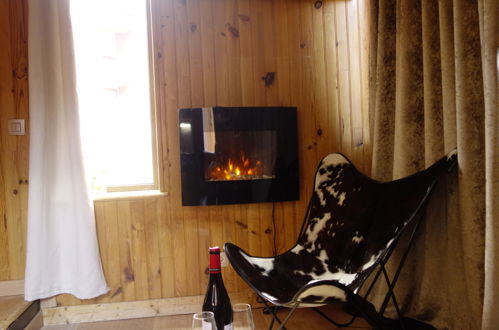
[[16, 127]]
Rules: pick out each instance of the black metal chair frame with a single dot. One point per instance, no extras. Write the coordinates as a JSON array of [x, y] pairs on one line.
[[373, 317], [359, 305]]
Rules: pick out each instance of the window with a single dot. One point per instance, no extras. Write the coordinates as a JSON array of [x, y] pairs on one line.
[[112, 54]]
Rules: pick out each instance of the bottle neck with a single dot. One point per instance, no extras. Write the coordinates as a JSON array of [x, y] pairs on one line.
[[215, 267]]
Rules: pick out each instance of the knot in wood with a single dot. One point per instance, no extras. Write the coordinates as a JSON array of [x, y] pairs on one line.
[[269, 78], [318, 4]]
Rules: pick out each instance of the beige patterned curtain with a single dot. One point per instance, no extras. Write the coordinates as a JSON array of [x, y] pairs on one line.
[[433, 80]]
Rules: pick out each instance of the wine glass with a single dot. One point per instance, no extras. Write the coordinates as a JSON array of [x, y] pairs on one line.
[[243, 318], [204, 321]]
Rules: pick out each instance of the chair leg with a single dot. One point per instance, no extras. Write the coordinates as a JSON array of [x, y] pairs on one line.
[[288, 316], [273, 311], [391, 294]]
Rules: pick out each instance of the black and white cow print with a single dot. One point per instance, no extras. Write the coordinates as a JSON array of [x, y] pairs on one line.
[[352, 223]]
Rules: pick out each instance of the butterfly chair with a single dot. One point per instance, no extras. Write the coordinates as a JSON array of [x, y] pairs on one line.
[[351, 227]]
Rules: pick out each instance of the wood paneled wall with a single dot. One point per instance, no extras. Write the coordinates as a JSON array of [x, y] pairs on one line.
[[13, 149], [220, 52]]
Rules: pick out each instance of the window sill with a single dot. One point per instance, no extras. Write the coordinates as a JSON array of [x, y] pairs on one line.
[[129, 195]]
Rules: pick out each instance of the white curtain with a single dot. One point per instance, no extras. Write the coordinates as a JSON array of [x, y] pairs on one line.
[[62, 249]]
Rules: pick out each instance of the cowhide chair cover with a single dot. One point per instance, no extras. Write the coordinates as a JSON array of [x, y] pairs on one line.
[[352, 225]]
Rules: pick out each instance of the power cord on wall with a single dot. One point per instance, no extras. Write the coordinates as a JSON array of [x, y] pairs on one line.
[[274, 252], [274, 240]]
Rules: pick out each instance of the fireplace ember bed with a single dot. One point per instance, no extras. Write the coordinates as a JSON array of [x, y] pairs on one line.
[[233, 155]]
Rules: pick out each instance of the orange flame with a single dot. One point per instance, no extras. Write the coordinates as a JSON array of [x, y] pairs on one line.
[[241, 168]]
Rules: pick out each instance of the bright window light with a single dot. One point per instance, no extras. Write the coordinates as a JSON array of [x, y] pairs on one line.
[[114, 91]]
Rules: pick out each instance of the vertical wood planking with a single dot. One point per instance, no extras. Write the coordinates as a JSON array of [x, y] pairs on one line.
[[139, 249], [342, 57], [266, 228], [282, 56], [247, 99], [255, 231], [210, 222], [187, 18], [232, 37], [220, 50], [260, 98], [151, 231], [5, 103], [157, 22], [13, 216], [13, 149], [195, 53], [127, 266], [280, 227], [9, 173], [211, 230], [167, 251], [199, 252], [322, 124], [295, 45], [204, 242], [363, 9], [271, 57], [268, 33], [257, 51], [355, 68], [216, 226], [241, 237], [190, 250], [228, 222], [19, 60], [246, 22], [208, 54], [307, 111], [332, 75], [110, 251], [173, 72], [168, 125], [223, 224]]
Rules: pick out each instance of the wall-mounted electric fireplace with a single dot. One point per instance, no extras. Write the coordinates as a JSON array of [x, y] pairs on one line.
[[232, 155]]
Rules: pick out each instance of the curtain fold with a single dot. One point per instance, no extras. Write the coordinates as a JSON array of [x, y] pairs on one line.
[[489, 15], [433, 77], [62, 249]]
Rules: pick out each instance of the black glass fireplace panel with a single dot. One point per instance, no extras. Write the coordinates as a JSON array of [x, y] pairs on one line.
[[238, 155]]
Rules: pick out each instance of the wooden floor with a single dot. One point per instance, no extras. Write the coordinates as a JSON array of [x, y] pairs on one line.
[[305, 319], [10, 309]]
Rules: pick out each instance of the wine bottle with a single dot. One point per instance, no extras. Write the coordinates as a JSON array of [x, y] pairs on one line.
[[216, 299]]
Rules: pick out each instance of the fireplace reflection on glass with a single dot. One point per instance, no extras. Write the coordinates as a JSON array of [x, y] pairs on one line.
[[238, 155]]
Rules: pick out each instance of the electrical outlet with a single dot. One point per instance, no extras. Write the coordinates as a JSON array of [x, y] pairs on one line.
[[223, 259], [16, 126]]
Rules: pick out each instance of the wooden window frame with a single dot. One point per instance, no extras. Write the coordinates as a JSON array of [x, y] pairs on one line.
[[155, 186]]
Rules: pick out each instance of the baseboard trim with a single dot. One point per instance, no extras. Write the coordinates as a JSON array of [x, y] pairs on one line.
[[11, 288], [132, 309]]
